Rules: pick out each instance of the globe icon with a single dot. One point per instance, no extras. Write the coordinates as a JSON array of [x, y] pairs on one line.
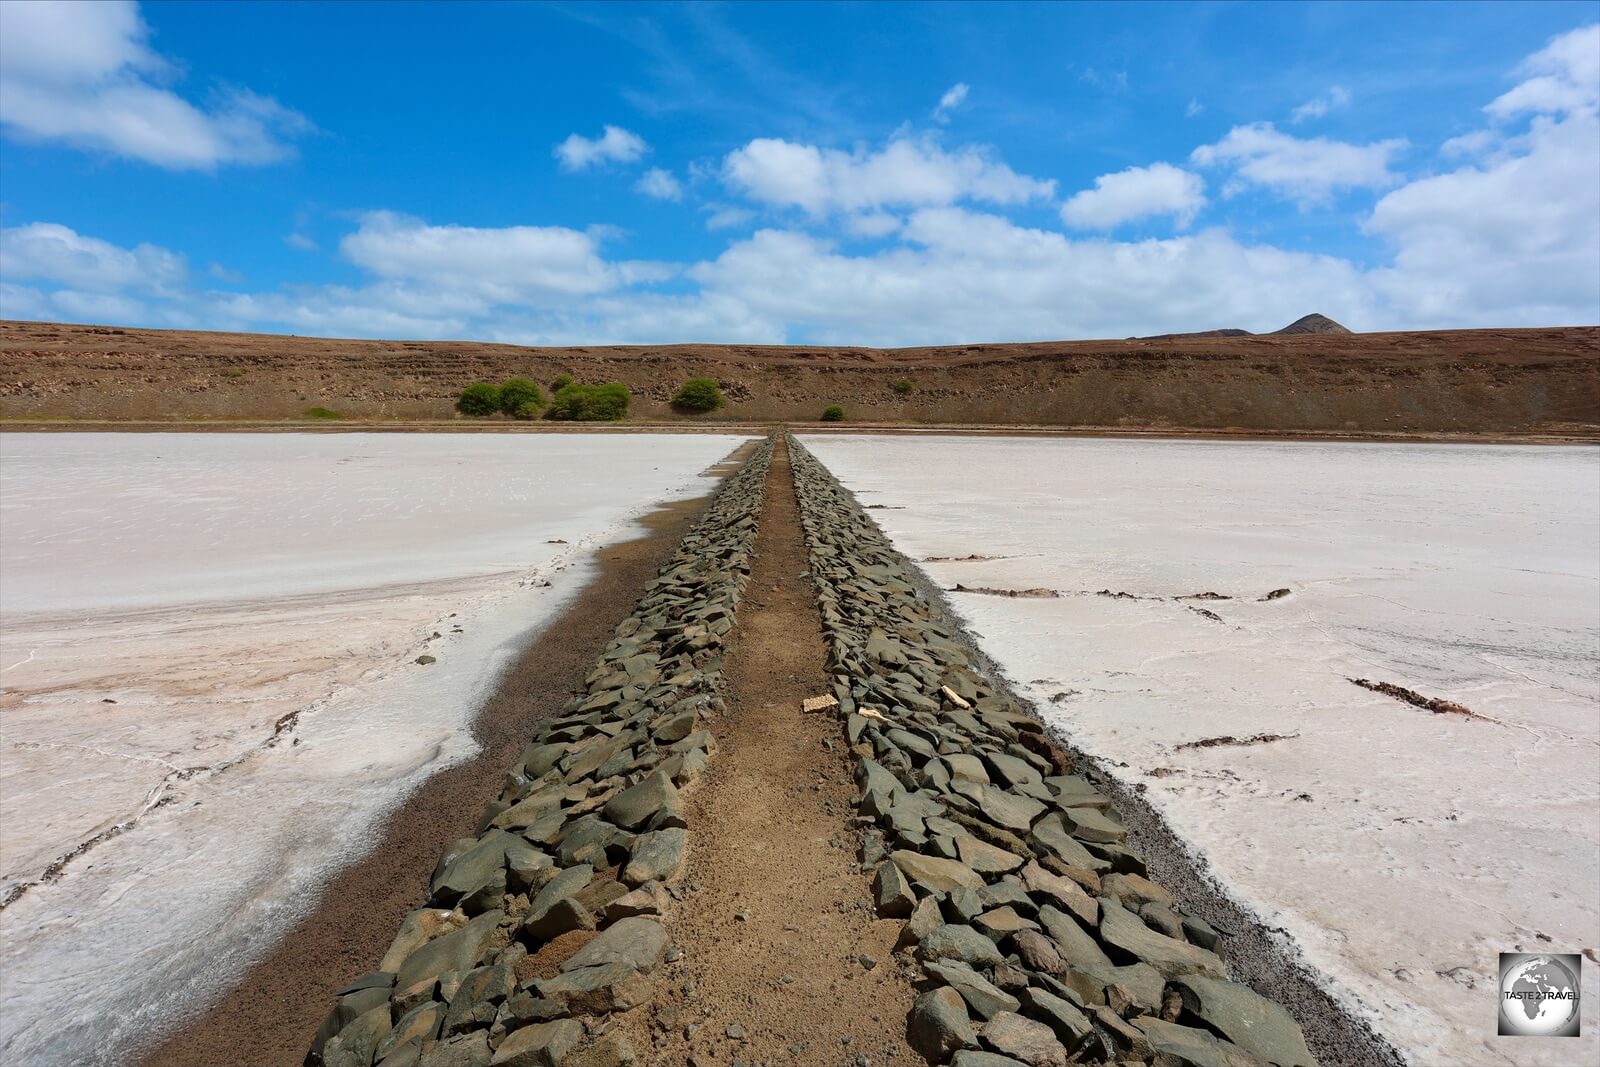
[[1538, 997]]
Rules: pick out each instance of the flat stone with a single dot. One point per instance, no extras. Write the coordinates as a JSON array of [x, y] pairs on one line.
[[539, 760], [1062, 892], [1052, 835], [637, 941], [355, 1044], [648, 899], [615, 986], [1126, 931], [891, 893], [539, 1045], [563, 885], [938, 1025], [939, 875], [986, 858], [1133, 891], [965, 768], [1063, 1017], [1192, 1046], [611, 1050], [561, 917], [479, 866], [981, 995], [1023, 1039], [1001, 923], [1010, 771], [417, 929], [1039, 953], [1092, 824], [1249, 1020], [457, 951], [463, 1050], [970, 1058], [955, 942], [925, 918], [655, 857], [638, 804], [1009, 810]]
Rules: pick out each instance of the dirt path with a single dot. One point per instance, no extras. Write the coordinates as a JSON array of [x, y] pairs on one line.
[[270, 1016], [784, 960]]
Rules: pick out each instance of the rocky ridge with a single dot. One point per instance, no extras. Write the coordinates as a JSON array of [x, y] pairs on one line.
[[549, 919], [1040, 939]]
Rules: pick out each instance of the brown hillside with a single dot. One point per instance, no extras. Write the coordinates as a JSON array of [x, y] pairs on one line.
[[1483, 381]]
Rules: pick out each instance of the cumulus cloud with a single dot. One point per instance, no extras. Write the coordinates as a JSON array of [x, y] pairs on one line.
[[1513, 236], [614, 145], [1318, 106], [660, 184], [953, 98], [81, 73], [1136, 193], [1307, 170], [907, 172], [51, 252]]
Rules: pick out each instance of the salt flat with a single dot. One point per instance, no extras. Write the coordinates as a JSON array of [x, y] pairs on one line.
[[211, 638], [1398, 850]]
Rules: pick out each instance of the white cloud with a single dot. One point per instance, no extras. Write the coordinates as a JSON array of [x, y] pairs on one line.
[[726, 218], [1195, 107], [511, 264], [1306, 170], [1136, 193], [1565, 77], [906, 172], [872, 224], [300, 241], [1512, 238], [51, 252], [614, 145], [660, 185], [80, 73], [1336, 97], [953, 98]]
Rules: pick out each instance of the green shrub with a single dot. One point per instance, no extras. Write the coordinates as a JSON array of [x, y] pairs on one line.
[[529, 410], [590, 403], [561, 382], [904, 386], [519, 393], [322, 413], [698, 395], [479, 400], [833, 413]]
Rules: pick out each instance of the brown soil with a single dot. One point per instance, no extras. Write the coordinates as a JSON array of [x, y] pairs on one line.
[[1526, 381], [775, 915], [271, 1014]]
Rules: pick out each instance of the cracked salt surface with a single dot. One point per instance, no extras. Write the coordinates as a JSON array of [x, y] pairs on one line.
[[1398, 850], [210, 638]]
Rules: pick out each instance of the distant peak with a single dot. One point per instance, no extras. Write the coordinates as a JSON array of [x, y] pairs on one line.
[[1313, 323]]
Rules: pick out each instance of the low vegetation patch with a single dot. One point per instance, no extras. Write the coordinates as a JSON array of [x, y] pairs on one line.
[[479, 400], [698, 395], [322, 413], [561, 382], [833, 413], [590, 403], [521, 398], [904, 387]]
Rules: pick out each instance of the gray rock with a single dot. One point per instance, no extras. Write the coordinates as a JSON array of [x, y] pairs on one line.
[[418, 928], [1191, 1046], [939, 875], [891, 892], [458, 951], [1126, 931], [479, 866], [476, 1001], [1023, 1039], [463, 1050], [1008, 810], [984, 1059], [1063, 1017], [1051, 835], [986, 858], [638, 804], [539, 1045], [614, 986], [637, 941], [561, 917], [963, 943], [419, 1024], [655, 856], [354, 1045], [1249, 1020], [1001, 923], [938, 1025], [1133, 891], [982, 996], [925, 918], [1061, 892]]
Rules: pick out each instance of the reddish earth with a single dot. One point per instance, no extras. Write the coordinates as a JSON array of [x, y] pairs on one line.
[[1530, 381]]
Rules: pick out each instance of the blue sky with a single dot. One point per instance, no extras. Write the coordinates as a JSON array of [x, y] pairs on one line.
[[860, 173]]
